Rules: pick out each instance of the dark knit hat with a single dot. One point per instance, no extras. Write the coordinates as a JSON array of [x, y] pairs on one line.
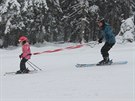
[[100, 19]]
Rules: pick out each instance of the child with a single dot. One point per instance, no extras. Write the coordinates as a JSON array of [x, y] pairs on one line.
[[25, 56], [108, 35]]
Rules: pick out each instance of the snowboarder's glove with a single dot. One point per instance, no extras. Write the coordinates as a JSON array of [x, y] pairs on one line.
[[20, 56], [100, 41]]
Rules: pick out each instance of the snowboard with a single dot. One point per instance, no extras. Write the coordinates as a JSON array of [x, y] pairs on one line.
[[95, 64]]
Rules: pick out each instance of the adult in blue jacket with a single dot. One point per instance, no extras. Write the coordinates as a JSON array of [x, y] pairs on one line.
[[109, 37]]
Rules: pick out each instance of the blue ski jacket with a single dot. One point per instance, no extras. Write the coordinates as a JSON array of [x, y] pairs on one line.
[[108, 34]]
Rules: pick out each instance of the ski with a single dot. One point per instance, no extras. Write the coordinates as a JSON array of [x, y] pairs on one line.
[[95, 64], [14, 73]]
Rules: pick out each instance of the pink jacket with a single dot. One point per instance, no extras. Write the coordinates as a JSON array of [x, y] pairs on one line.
[[26, 51]]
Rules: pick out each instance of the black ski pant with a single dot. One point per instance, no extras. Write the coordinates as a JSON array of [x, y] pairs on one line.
[[105, 49], [22, 64]]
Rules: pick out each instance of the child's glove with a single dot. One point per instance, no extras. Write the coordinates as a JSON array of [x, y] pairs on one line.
[[30, 54], [20, 56]]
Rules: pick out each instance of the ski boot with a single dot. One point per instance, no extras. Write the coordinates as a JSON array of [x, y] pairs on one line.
[[19, 72], [23, 71], [105, 61], [26, 70]]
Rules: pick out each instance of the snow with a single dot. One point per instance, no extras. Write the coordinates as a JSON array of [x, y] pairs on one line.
[[0, 18], [127, 25], [8, 24], [127, 31], [94, 8], [84, 3], [39, 2], [13, 3], [1, 42], [25, 6], [60, 80]]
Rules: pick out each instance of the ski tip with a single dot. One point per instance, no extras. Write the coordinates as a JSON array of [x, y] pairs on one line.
[[125, 62]]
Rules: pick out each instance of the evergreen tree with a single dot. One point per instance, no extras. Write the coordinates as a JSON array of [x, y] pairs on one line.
[[59, 20], [10, 14]]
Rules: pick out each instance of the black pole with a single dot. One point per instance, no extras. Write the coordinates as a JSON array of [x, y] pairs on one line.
[[34, 65]]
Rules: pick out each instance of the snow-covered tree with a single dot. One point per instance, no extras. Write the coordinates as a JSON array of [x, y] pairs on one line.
[[21, 17], [59, 20], [34, 13], [10, 11], [127, 32], [79, 15]]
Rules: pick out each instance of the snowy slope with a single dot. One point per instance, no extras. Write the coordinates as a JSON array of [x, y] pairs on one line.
[[62, 81]]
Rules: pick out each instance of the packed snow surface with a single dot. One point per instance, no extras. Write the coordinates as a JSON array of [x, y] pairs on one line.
[[60, 80]]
